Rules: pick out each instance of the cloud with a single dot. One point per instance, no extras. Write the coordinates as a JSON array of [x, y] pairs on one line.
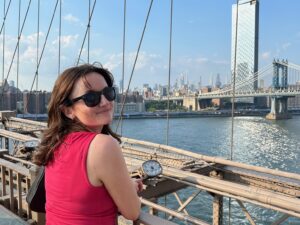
[[285, 46], [29, 54], [144, 59], [194, 60], [221, 62], [265, 55], [201, 60], [31, 38], [70, 18], [114, 61], [67, 40]]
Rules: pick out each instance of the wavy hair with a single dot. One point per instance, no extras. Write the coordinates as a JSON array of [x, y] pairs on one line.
[[58, 124]]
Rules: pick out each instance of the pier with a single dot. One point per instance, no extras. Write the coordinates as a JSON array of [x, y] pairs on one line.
[[220, 178]]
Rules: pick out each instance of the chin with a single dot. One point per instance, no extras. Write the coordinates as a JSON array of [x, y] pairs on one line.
[[105, 121]]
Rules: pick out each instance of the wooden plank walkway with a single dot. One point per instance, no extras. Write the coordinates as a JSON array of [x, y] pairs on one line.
[[8, 218]]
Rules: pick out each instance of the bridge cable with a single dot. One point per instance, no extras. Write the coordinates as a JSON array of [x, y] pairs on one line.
[[3, 53], [249, 80], [3, 46], [37, 61], [134, 64], [123, 62], [89, 34], [18, 42], [43, 49], [5, 15], [233, 98], [3, 43], [59, 38], [18, 54], [169, 75], [86, 32], [169, 83]]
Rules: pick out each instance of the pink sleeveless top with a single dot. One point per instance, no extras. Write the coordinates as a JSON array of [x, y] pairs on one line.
[[70, 198]]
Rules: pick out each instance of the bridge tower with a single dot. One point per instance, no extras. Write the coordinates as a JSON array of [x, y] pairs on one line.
[[279, 109]]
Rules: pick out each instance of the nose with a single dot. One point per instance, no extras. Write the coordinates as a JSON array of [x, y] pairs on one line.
[[104, 101]]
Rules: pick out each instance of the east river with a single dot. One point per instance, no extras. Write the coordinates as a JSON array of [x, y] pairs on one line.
[[256, 141]]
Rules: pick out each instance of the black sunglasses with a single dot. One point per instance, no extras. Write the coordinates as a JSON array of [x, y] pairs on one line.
[[93, 98]]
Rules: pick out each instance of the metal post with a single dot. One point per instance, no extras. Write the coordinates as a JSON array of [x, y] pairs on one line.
[[217, 202], [218, 210]]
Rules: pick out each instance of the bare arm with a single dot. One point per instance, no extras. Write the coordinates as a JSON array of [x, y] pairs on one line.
[[106, 163]]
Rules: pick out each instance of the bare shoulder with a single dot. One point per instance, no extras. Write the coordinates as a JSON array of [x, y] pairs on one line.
[[103, 140], [104, 146]]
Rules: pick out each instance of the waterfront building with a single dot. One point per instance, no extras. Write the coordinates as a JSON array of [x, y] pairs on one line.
[[294, 102], [244, 44], [132, 107]]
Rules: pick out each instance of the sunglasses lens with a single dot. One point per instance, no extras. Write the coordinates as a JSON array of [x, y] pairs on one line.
[[109, 93], [92, 99]]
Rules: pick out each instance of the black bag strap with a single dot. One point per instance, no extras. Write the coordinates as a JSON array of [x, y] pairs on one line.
[[36, 196]]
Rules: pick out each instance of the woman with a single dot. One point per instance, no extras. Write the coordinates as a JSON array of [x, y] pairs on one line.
[[86, 178]]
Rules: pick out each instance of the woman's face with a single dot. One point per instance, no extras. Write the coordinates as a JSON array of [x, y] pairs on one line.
[[92, 117]]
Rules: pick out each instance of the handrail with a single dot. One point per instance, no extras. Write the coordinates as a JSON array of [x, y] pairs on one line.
[[148, 219], [213, 159]]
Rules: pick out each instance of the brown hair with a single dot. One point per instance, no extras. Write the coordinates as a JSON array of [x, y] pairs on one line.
[[58, 124]]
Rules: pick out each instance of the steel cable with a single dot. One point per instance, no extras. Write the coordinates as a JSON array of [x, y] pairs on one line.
[[134, 64]]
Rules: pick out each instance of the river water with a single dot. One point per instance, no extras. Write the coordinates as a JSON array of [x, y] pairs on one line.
[[256, 141]]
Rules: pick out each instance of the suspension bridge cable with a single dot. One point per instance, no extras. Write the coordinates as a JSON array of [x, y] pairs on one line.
[[18, 53], [89, 34], [18, 42], [233, 98], [169, 82], [59, 38], [250, 80], [86, 31], [134, 64], [169, 75], [43, 49], [3, 54], [37, 59], [5, 15], [41, 56], [3, 40], [123, 63]]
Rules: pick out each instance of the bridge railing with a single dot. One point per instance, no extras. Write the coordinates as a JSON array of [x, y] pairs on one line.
[[15, 180]]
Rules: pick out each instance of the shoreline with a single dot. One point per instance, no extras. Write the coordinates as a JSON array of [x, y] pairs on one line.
[[164, 114], [157, 115]]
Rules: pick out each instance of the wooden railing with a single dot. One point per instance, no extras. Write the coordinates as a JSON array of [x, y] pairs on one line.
[[15, 183]]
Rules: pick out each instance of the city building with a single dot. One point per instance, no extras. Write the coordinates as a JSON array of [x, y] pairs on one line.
[[244, 45], [35, 102], [10, 95], [132, 107], [134, 103], [218, 82], [294, 102]]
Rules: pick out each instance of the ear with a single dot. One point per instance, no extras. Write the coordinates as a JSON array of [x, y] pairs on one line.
[[68, 111]]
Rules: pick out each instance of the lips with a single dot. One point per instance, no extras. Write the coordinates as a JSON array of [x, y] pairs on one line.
[[105, 110]]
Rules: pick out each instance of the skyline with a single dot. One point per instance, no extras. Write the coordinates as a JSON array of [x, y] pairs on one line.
[[198, 48]]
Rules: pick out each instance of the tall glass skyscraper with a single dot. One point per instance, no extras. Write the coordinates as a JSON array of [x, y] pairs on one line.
[[244, 44]]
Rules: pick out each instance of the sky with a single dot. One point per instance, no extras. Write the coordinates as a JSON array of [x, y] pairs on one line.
[[201, 39]]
